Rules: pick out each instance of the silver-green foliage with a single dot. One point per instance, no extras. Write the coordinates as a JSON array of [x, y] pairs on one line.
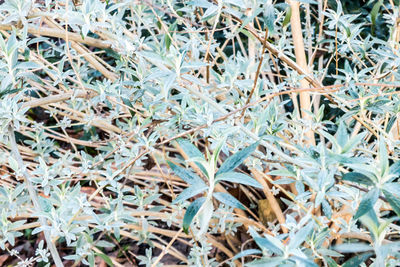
[[157, 56]]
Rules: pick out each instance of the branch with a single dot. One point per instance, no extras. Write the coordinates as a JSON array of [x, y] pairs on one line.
[[49, 32]]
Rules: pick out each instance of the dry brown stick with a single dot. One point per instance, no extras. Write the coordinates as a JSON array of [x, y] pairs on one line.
[[50, 32], [165, 250], [57, 98], [97, 122], [173, 252], [211, 38], [297, 33], [92, 60], [257, 72]]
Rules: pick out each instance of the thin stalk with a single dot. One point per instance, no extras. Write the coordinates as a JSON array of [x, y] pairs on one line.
[[258, 71], [305, 102]]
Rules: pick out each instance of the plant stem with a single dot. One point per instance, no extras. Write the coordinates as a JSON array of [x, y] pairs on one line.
[[305, 103]]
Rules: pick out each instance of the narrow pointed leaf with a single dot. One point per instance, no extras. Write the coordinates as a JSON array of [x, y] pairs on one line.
[[306, 262], [236, 177], [301, 236], [105, 258], [229, 200], [217, 150], [269, 17], [236, 159], [191, 211], [190, 192], [186, 175], [265, 243], [357, 260], [330, 262], [393, 201], [205, 217], [288, 15], [192, 152], [370, 220], [367, 202], [357, 177], [393, 188], [395, 168], [129, 104], [246, 252], [326, 208], [342, 136], [383, 156]]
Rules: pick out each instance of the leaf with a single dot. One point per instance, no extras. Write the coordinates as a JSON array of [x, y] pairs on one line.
[[342, 136], [9, 91], [217, 151], [267, 244], [168, 82], [28, 65], [239, 3], [210, 12], [357, 177], [390, 123], [249, 19], [326, 208], [393, 201], [246, 252], [192, 152], [383, 156], [229, 200], [186, 175], [353, 248], [171, 29], [393, 188], [370, 220], [104, 244], [367, 203], [374, 15], [357, 260], [331, 138], [288, 15], [236, 177], [91, 260], [190, 192], [282, 172], [308, 1], [105, 258], [13, 163], [306, 262], [395, 168], [236, 159], [331, 262], [129, 104], [353, 142], [301, 236], [200, 3], [45, 204], [269, 17], [270, 262], [191, 211], [205, 217]]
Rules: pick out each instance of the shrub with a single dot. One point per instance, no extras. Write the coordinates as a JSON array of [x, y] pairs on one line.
[[205, 133]]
